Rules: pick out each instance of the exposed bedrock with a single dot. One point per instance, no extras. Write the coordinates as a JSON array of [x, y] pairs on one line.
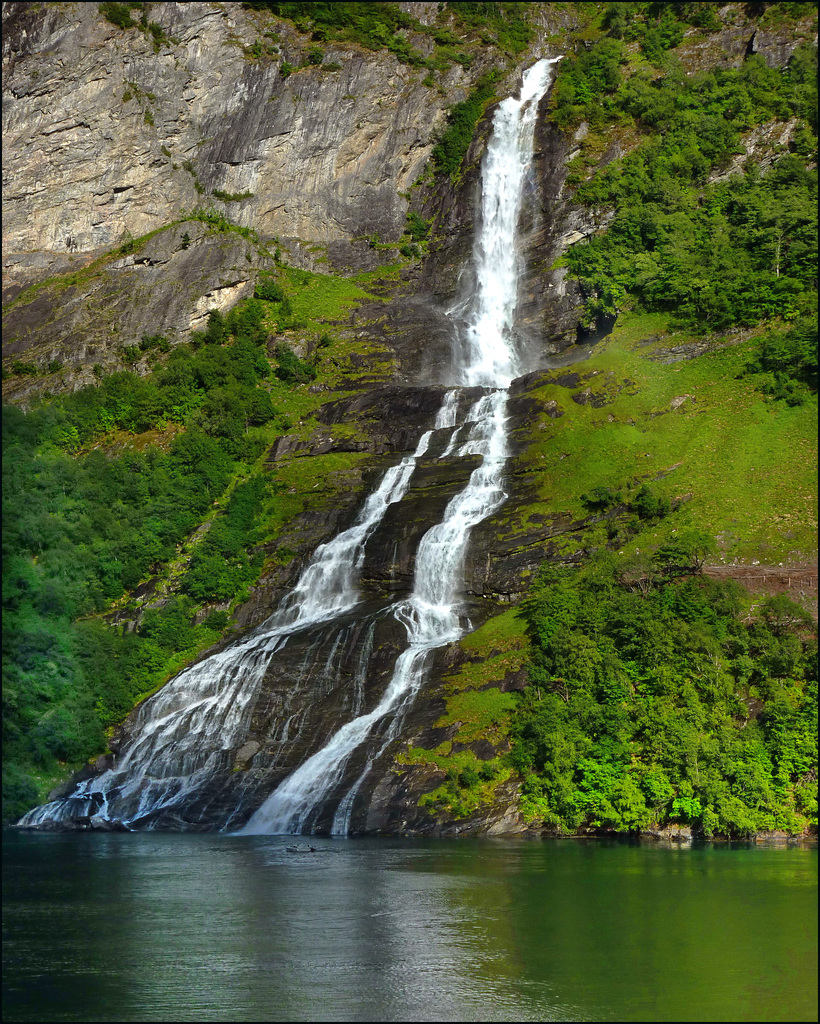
[[91, 111], [106, 140]]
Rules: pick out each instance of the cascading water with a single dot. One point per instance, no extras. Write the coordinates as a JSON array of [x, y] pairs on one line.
[[184, 735], [488, 358]]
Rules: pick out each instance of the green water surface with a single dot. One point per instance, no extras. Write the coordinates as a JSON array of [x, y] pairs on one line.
[[160, 927]]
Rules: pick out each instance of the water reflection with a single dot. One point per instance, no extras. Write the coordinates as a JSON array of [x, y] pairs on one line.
[[199, 928]]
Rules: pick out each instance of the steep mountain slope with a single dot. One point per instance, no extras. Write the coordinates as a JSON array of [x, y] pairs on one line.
[[156, 174]]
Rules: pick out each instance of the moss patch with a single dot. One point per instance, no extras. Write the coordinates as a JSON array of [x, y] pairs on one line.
[[746, 466], [476, 711]]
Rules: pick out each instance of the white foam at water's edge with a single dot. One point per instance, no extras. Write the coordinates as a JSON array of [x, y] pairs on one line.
[[184, 734], [179, 733]]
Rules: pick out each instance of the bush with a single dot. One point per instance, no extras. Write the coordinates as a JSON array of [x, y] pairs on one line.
[[601, 498], [786, 361], [649, 505], [23, 369], [231, 197], [217, 621], [268, 289], [215, 331], [417, 227], [118, 14], [468, 777], [151, 341], [291, 368], [450, 150]]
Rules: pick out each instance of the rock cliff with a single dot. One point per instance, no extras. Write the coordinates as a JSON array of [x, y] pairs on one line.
[[150, 178], [112, 135]]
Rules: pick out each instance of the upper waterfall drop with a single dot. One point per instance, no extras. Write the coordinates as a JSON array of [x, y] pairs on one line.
[[487, 355]]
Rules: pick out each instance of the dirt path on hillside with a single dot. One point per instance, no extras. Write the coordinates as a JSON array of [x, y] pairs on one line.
[[798, 581]]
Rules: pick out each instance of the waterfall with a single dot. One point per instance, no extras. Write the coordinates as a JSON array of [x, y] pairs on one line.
[[488, 358], [183, 736]]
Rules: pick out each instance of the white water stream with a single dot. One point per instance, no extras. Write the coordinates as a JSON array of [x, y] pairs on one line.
[[187, 732], [182, 733], [489, 359]]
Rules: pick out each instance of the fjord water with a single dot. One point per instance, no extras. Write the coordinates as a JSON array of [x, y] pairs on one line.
[[180, 927]]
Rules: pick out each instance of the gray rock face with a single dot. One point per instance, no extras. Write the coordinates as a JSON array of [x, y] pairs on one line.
[[104, 136], [167, 287], [107, 140]]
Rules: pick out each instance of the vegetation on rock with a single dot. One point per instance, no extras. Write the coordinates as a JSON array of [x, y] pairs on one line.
[[736, 250], [655, 696], [449, 151], [84, 526], [652, 701]]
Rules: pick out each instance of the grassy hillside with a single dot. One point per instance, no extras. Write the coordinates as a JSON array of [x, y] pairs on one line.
[[689, 433], [655, 695], [148, 497]]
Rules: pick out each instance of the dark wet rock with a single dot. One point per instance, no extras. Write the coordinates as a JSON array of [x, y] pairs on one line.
[[99, 823], [589, 397]]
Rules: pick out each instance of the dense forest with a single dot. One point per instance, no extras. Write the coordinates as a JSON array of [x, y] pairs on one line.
[[653, 699], [655, 695], [83, 527]]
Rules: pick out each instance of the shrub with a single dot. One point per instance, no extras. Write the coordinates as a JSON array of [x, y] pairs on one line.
[[149, 341], [291, 368], [217, 621], [23, 369], [601, 498], [417, 227], [649, 505], [215, 331], [449, 151], [231, 197], [267, 289], [118, 14]]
